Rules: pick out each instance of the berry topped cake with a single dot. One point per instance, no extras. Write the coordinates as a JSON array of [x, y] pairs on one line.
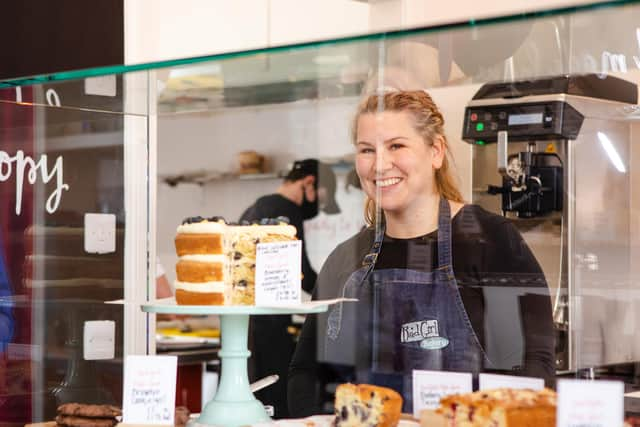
[[217, 260]]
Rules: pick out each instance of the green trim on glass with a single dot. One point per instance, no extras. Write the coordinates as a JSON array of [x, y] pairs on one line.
[[121, 69]]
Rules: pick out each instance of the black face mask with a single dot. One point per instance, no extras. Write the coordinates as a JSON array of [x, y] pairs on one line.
[[309, 209]]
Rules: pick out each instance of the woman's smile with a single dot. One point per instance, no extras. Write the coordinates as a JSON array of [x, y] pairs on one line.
[[387, 182]]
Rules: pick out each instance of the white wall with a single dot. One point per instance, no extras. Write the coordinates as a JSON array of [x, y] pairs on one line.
[[283, 133], [158, 30]]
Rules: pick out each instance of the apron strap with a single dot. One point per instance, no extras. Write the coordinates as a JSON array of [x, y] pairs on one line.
[[444, 236], [370, 259]]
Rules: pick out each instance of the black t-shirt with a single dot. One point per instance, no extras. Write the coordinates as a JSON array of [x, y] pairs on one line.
[[495, 271], [478, 258]]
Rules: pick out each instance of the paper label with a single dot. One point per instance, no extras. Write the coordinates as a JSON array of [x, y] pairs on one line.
[[430, 386], [149, 390], [590, 403], [102, 85], [493, 381], [278, 268]]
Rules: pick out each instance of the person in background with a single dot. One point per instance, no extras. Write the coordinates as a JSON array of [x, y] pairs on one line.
[[308, 187], [434, 277]]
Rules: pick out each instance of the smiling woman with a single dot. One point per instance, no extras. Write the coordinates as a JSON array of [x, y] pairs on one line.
[[430, 273]]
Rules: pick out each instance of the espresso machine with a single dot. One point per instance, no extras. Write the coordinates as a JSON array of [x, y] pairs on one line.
[[554, 156]]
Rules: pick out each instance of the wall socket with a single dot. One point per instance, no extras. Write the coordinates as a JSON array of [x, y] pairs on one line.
[[99, 233], [99, 339]]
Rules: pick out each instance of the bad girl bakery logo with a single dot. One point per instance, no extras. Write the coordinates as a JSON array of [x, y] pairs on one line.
[[24, 167], [425, 332]]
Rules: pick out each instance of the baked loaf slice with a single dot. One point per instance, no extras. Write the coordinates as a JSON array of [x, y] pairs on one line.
[[366, 405], [500, 408]]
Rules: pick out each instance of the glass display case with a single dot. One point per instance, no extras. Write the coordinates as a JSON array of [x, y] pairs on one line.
[[530, 270]]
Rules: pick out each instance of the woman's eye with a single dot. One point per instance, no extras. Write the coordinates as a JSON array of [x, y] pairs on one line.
[[396, 146], [365, 150]]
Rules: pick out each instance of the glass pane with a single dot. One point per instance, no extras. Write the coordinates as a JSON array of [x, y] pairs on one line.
[[58, 165], [473, 186]]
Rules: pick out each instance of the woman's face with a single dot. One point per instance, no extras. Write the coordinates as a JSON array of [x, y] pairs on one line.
[[395, 165]]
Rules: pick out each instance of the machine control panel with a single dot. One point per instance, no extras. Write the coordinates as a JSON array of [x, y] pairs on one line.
[[539, 121]]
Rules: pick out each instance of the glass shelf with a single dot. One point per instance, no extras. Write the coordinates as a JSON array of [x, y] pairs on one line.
[[293, 49]]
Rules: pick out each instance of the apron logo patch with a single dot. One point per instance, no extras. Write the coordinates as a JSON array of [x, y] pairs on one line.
[[434, 343], [418, 331], [424, 331]]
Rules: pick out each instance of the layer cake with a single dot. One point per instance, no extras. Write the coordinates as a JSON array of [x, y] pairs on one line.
[[217, 261]]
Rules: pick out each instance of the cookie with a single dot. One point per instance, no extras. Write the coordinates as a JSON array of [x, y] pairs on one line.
[[71, 421], [83, 410]]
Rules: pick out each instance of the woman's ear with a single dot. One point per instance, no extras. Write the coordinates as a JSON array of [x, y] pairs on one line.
[[438, 151]]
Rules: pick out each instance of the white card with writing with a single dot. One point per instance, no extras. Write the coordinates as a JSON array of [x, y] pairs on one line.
[[278, 267], [149, 394], [430, 386], [592, 403], [493, 381]]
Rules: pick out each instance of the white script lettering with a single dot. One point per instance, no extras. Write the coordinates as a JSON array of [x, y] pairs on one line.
[[22, 164]]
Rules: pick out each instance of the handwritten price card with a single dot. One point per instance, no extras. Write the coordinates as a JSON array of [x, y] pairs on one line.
[[149, 390], [278, 267], [493, 381], [430, 386], [590, 403]]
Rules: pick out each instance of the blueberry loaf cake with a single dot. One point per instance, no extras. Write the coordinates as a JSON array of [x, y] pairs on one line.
[[367, 406], [500, 408]]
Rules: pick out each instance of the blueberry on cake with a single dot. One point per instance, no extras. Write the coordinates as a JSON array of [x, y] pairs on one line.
[[365, 405]]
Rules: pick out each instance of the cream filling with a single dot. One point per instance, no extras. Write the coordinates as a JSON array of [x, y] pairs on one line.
[[262, 230], [205, 258], [204, 227], [204, 287]]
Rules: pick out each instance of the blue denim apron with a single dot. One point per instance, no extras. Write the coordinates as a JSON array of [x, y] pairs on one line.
[[405, 320]]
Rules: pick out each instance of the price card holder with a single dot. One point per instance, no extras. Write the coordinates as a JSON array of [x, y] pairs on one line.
[[493, 381], [430, 386], [278, 267], [149, 393], [590, 403]]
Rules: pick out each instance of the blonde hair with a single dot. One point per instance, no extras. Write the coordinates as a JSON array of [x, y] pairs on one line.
[[427, 121]]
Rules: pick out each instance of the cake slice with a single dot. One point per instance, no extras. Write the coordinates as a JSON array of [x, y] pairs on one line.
[[500, 408], [366, 405], [242, 241]]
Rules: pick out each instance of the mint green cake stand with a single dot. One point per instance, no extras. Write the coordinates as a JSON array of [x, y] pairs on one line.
[[233, 405]]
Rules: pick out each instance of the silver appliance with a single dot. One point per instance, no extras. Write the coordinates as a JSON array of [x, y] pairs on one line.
[[554, 155]]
